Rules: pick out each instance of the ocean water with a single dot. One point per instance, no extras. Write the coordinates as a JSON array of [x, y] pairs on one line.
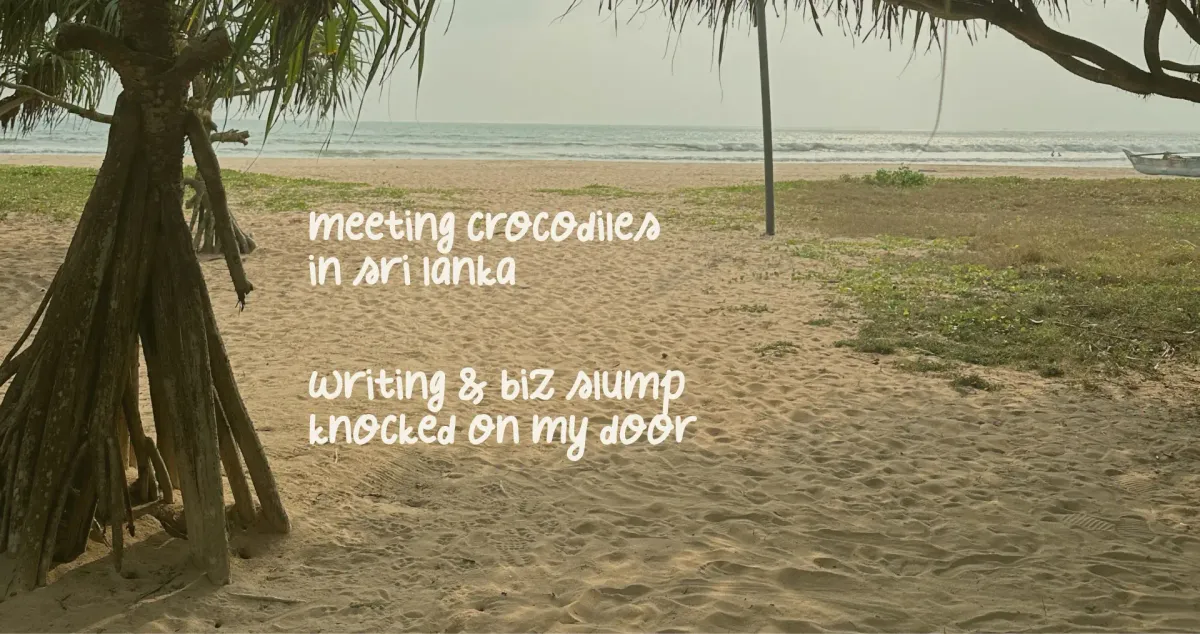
[[643, 143]]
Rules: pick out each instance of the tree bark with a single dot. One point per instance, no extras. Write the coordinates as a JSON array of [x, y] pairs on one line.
[[130, 271]]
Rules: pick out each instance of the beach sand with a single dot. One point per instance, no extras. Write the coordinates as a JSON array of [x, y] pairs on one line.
[[818, 490], [525, 175]]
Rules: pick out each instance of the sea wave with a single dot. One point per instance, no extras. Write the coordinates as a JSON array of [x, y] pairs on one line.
[[634, 143]]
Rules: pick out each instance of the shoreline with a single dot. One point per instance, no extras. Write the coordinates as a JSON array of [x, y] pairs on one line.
[[492, 174]]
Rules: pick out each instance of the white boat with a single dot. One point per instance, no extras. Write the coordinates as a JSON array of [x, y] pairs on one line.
[[1164, 164]]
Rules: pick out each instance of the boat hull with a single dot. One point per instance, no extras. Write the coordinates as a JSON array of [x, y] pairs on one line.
[[1173, 166]]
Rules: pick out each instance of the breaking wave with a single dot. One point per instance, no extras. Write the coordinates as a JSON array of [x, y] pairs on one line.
[[646, 143]]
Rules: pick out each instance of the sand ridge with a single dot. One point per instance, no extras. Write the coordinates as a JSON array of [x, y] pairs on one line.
[[819, 490]]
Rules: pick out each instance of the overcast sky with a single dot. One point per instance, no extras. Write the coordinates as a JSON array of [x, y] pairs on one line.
[[511, 61]]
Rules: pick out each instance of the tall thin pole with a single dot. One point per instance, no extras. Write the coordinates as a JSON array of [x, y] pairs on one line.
[[768, 150]]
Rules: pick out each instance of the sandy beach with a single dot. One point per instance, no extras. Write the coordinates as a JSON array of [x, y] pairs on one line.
[[816, 491], [518, 175]]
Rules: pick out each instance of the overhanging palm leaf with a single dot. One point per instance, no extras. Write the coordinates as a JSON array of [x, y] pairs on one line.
[[896, 20], [295, 58]]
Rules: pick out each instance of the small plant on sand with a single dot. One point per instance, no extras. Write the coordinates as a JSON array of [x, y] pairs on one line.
[[776, 349], [820, 321], [900, 177], [753, 309], [965, 382]]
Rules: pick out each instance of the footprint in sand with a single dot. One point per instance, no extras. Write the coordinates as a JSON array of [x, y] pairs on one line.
[[513, 546], [1088, 522], [1137, 484], [1135, 528]]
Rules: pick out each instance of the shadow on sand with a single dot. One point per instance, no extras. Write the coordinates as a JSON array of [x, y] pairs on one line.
[[92, 596]]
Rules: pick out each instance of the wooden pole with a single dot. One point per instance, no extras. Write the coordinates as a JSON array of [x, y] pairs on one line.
[[765, 81]]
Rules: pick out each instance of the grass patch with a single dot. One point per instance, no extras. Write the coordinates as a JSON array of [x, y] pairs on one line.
[[754, 309], [751, 309], [1050, 371], [819, 322], [831, 248], [972, 382], [1055, 276], [594, 191], [902, 177], [279, 193], [924, 364], [868, 344], [776, 349], [441, 193], [1033, 317], [59, 193]]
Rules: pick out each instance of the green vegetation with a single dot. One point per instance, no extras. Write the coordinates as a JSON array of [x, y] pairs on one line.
[[971, 382], [53, 192], [821, 321], [59, 193], [924, 364], [868, 345], [776, 349], [753, 309], [902, 177], [594, 191], [1060, 277]]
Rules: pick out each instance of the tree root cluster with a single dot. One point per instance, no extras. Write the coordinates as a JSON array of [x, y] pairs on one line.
[[69, 420], [203, 226]]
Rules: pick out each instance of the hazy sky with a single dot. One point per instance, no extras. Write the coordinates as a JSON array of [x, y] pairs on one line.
[[511, 61]]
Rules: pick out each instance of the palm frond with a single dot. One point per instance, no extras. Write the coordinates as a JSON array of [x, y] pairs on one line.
[[884, 19], [292, 58], [315, 58]]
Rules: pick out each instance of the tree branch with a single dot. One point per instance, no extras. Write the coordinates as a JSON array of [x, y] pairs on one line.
[[9, 104], [230, 136], [1092, 73], [1118, 71], [85, 37], [209, 49], [245, 90], [952, 11], [1150, 40], [1080, 57], [1186, 19], [1190, 69], [210, 171], [227, 136], [86, 113]]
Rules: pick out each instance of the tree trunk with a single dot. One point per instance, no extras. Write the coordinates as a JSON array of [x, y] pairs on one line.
[[129, 271]]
